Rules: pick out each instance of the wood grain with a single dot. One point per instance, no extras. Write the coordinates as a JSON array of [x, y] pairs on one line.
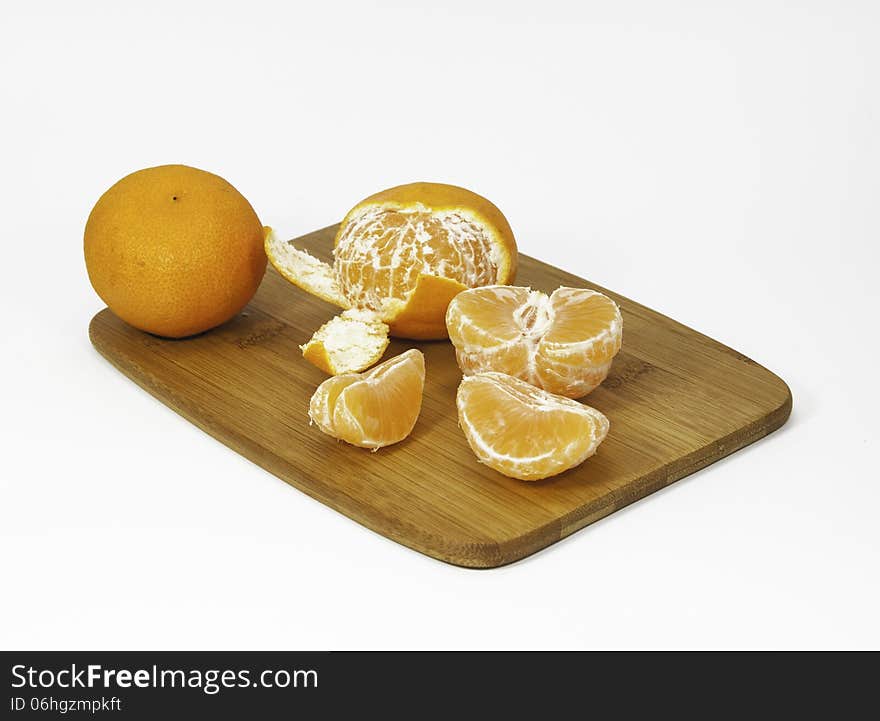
[[677, 401]]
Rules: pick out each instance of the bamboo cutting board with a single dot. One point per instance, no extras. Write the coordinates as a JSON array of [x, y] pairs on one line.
[[677, 401]]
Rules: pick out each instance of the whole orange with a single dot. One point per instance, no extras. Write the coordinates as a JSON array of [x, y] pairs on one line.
[[174, 250]]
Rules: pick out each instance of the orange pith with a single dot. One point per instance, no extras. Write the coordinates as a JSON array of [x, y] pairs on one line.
[[375, 408], [347, 343], [525, 432], [563, 343]]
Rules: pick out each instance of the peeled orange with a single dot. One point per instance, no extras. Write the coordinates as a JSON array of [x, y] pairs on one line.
[[563, 343], [174, 250], [525, 432], [404, 253], [372, 409]]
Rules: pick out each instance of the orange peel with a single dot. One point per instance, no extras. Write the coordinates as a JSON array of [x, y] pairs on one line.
[[349, 342]]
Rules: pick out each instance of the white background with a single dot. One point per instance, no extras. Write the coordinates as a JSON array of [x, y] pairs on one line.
[[717, 161]]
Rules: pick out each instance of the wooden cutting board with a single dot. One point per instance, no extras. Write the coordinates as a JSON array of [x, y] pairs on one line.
[[677, 401]]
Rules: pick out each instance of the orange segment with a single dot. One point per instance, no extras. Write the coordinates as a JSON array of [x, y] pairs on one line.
[[563, 343], [323, 401], [372, 409], [487, 319], [525, 432]]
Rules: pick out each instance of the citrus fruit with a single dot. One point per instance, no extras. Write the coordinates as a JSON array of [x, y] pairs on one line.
[[174, 250], [563, 343], [347, 343], [525, 432], [375, 408], [404, 253]]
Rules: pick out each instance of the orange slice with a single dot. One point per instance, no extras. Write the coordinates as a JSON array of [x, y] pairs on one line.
[[563, 343], [404, 253], [372, 409], [525, 432]]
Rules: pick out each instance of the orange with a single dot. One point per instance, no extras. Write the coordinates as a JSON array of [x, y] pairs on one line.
[[563, 343], [525, 432], [174, 250], [372, 409], [404, 253]]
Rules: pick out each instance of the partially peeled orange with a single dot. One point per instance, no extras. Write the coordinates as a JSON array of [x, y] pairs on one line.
[[401, 255]]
